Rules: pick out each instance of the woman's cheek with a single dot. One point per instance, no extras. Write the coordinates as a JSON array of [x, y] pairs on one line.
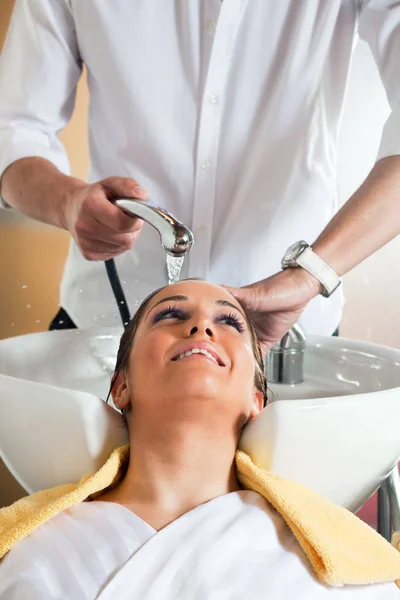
[[154, 351], [248, 351], [247, 359]]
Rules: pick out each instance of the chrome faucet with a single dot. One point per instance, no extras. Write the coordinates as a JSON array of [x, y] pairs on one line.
[[176, 238], [284, 363]]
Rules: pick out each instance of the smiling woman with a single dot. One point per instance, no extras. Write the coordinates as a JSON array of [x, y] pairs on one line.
[[180, 309], [174, 522]]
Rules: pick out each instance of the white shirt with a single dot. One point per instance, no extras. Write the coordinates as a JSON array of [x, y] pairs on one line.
[[233, 547], [228, 114]]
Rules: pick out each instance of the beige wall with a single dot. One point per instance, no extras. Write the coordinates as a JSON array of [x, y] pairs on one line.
[[32, 254], [6, 7], [372, 289]]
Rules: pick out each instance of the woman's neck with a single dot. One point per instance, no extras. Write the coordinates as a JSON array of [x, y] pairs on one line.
[[174, 469]]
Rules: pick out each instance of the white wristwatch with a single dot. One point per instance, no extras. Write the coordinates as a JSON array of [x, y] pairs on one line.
[[301, 254]]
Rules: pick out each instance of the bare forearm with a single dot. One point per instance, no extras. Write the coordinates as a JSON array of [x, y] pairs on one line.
[[35, 187], [368, 220]]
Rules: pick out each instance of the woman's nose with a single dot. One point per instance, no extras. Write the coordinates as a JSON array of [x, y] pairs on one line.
[[196, 329]]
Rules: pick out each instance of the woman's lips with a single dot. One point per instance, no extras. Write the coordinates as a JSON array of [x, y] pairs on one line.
[[199, 350], [200, 354]]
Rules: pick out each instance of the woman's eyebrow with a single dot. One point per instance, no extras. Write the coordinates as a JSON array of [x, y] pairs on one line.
[[227, 303], [176, 298]]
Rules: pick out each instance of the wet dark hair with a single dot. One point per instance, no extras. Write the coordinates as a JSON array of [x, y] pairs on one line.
[[128, 337]]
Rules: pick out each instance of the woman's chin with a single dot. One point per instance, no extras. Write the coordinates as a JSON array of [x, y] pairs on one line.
[[200, 385]]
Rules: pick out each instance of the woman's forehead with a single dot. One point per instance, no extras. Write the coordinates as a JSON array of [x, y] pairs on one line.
[[195, 290]]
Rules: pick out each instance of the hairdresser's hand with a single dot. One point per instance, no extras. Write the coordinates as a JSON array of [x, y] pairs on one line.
[[100, 229], [277, 302]]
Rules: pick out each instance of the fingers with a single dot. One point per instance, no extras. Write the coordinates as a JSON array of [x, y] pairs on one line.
[[100, 256], [99, 207], [250, 296], [101, 229], [95, 249], [99, 219], [123, 187], [232, 290], [94, 239]]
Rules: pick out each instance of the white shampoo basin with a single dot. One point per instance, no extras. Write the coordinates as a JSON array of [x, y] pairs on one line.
[[337, 433]]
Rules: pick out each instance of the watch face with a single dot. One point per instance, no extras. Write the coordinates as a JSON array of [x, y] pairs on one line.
[[293, 253]]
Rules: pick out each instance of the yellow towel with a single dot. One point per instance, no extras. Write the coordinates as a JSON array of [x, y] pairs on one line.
[[340, 547]]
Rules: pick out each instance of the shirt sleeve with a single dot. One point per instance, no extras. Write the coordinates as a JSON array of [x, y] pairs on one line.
[[379, 26], [39, 70]]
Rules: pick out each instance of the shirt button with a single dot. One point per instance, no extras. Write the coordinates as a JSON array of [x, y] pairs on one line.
[[205, 165], [202, 229], [212, 98], [212, 26]]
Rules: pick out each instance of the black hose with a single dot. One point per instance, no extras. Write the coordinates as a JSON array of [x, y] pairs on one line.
[[118, 292], [384, 518]]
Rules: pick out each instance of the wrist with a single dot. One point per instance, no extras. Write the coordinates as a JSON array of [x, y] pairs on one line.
[[329, 254], [302, 255], [307, 280], [71, 188]]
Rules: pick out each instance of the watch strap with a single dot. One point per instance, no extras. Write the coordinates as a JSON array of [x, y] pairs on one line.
[[312, 263]]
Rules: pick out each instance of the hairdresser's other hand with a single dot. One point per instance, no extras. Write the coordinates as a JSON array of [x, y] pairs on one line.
[[277, 302], [100, 229]]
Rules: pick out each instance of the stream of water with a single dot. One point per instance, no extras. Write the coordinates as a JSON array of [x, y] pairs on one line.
[[174, 267]]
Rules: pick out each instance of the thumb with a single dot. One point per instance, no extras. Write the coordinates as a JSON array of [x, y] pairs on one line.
[[123, 187], [249, 295], [235, 291]]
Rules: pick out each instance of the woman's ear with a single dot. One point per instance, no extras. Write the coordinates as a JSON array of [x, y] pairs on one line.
[[120, 392], [257, 404]]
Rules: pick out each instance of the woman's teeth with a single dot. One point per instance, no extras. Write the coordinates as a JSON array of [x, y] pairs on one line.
[[197, 351]]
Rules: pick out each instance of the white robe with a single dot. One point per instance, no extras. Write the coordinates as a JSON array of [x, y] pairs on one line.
[[234, 547]]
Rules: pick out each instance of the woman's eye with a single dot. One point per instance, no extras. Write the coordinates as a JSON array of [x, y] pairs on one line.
[[233, 321], [169, 313]]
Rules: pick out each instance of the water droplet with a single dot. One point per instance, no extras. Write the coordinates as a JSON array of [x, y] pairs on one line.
[[126, 323], [12, 324], [94, 318], [124, 282], [122, 302], [37, 321], [28, 306], [61, 322], [24, 287], [80, 291]]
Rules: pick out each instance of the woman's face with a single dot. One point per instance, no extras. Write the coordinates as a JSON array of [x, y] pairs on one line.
[[192, 346]]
